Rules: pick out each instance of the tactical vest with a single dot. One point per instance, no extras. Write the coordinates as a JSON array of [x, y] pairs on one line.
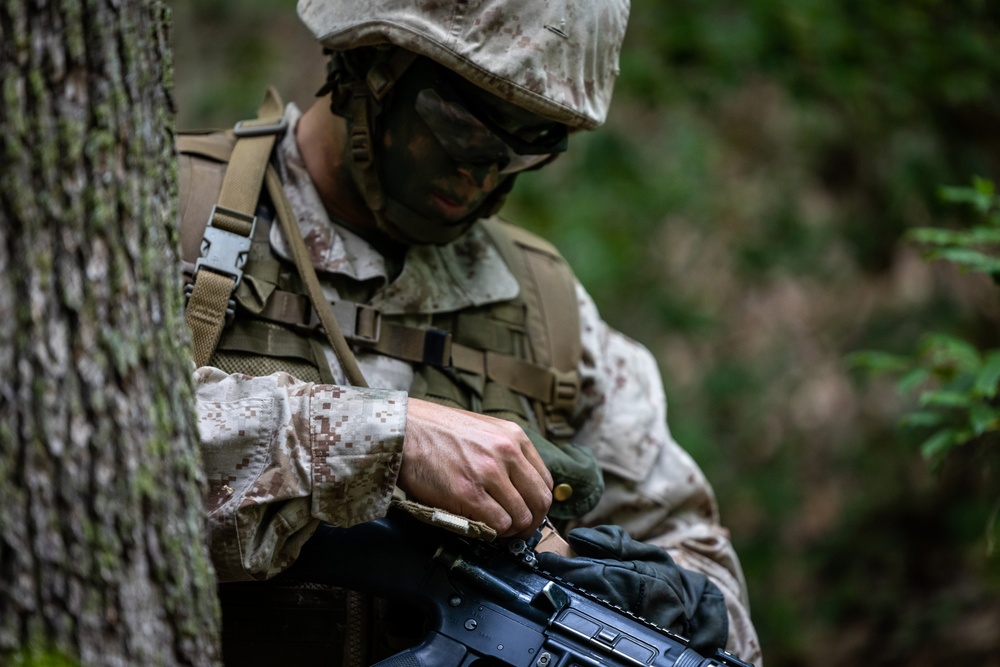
[[514, 359]]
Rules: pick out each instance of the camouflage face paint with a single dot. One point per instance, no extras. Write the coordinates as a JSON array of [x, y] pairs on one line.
[[417, 172], [467, 139], [442, 153]]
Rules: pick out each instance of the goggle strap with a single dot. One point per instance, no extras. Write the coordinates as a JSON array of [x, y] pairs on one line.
[[362, 151], [385, 72]]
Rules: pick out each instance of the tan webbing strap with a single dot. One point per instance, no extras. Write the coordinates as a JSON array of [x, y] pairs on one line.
[[206, 312], [555, 298], [206, 145], [255, 139], [549, 290], [520, 375], [363, 325], [257, 337], [358, 322], [307, 272], [230, 228], [557, 312]]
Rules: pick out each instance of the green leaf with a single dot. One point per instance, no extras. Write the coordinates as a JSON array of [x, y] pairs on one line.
[[940, 442], [945, 399], [980, 195], [988, 377], [913, 379], [982, 235], [983, 418], [922, 419], [957, 194], [945, 350], [966, 258], [936, 236], [975, 236], [878, 362], [983, 186]]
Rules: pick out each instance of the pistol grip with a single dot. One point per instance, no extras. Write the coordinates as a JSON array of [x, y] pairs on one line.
[[435, 651]]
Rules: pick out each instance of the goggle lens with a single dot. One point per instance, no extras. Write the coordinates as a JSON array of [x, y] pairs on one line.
[[467, 139]]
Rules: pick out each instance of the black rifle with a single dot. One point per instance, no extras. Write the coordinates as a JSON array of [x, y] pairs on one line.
[[489, 604]]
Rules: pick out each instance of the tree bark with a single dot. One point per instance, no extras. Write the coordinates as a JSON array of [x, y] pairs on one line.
[[102, 556]]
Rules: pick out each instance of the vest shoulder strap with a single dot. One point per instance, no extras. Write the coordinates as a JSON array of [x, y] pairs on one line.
[[548, 288], [229, 230], [202, 162]]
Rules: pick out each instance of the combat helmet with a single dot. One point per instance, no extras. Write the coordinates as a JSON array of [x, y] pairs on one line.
[[555, 58]]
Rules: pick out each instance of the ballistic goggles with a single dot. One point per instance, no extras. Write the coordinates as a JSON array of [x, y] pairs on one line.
[[470, 135]]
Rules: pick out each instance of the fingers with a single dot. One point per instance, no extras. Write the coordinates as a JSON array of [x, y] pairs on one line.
[[478, 466], [502, 510], [534, 458], [522, 485], [536, 496], [602, 542], [506, 490], [613, 543], [524, 504]]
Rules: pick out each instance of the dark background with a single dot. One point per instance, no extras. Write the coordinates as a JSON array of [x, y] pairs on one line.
[[742, 214]]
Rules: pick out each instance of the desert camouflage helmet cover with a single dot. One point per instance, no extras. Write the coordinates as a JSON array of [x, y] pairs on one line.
[[556, 58]]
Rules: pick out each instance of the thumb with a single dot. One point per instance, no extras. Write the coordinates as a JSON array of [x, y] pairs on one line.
[[602, 542], [612, 542]]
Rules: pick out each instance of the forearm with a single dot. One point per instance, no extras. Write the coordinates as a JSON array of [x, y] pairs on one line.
[[281, 455], [654, 489]]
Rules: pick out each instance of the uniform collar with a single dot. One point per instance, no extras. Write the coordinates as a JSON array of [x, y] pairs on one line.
[[434, 279]]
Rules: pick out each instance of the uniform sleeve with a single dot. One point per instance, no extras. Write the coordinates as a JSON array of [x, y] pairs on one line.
[[654, 489], [281, 455]]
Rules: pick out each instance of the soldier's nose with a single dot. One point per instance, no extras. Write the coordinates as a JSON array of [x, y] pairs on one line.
[[483, 176]]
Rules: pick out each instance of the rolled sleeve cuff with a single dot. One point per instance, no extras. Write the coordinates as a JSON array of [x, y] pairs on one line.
[[356, 440]]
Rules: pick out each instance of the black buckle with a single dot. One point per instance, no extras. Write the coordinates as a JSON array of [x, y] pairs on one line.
[[223, 251], [243, 130], [437, 348]]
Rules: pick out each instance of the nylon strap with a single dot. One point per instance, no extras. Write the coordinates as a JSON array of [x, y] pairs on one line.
[[206, 312], [553, 325], [522, 376], [209, 301], [364, 326], [307, 272], [206, 145]]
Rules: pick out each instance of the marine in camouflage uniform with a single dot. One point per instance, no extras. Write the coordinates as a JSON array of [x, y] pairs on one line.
[[289, 445]]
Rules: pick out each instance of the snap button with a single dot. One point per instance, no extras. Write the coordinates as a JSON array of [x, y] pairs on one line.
[[562, 492]]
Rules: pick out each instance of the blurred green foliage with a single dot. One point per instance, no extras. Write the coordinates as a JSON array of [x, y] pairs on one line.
[[958, 384], [744, 213]]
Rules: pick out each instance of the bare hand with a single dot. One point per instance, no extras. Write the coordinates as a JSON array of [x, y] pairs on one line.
[[477, 466]]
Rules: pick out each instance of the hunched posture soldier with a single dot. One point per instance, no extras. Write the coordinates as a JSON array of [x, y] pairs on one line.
[[415, 343]]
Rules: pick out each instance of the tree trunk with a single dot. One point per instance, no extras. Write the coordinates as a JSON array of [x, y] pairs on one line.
[[102, 557]]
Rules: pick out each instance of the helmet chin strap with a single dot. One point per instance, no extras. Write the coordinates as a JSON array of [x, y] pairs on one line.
[[360, 99], [406, 225]]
